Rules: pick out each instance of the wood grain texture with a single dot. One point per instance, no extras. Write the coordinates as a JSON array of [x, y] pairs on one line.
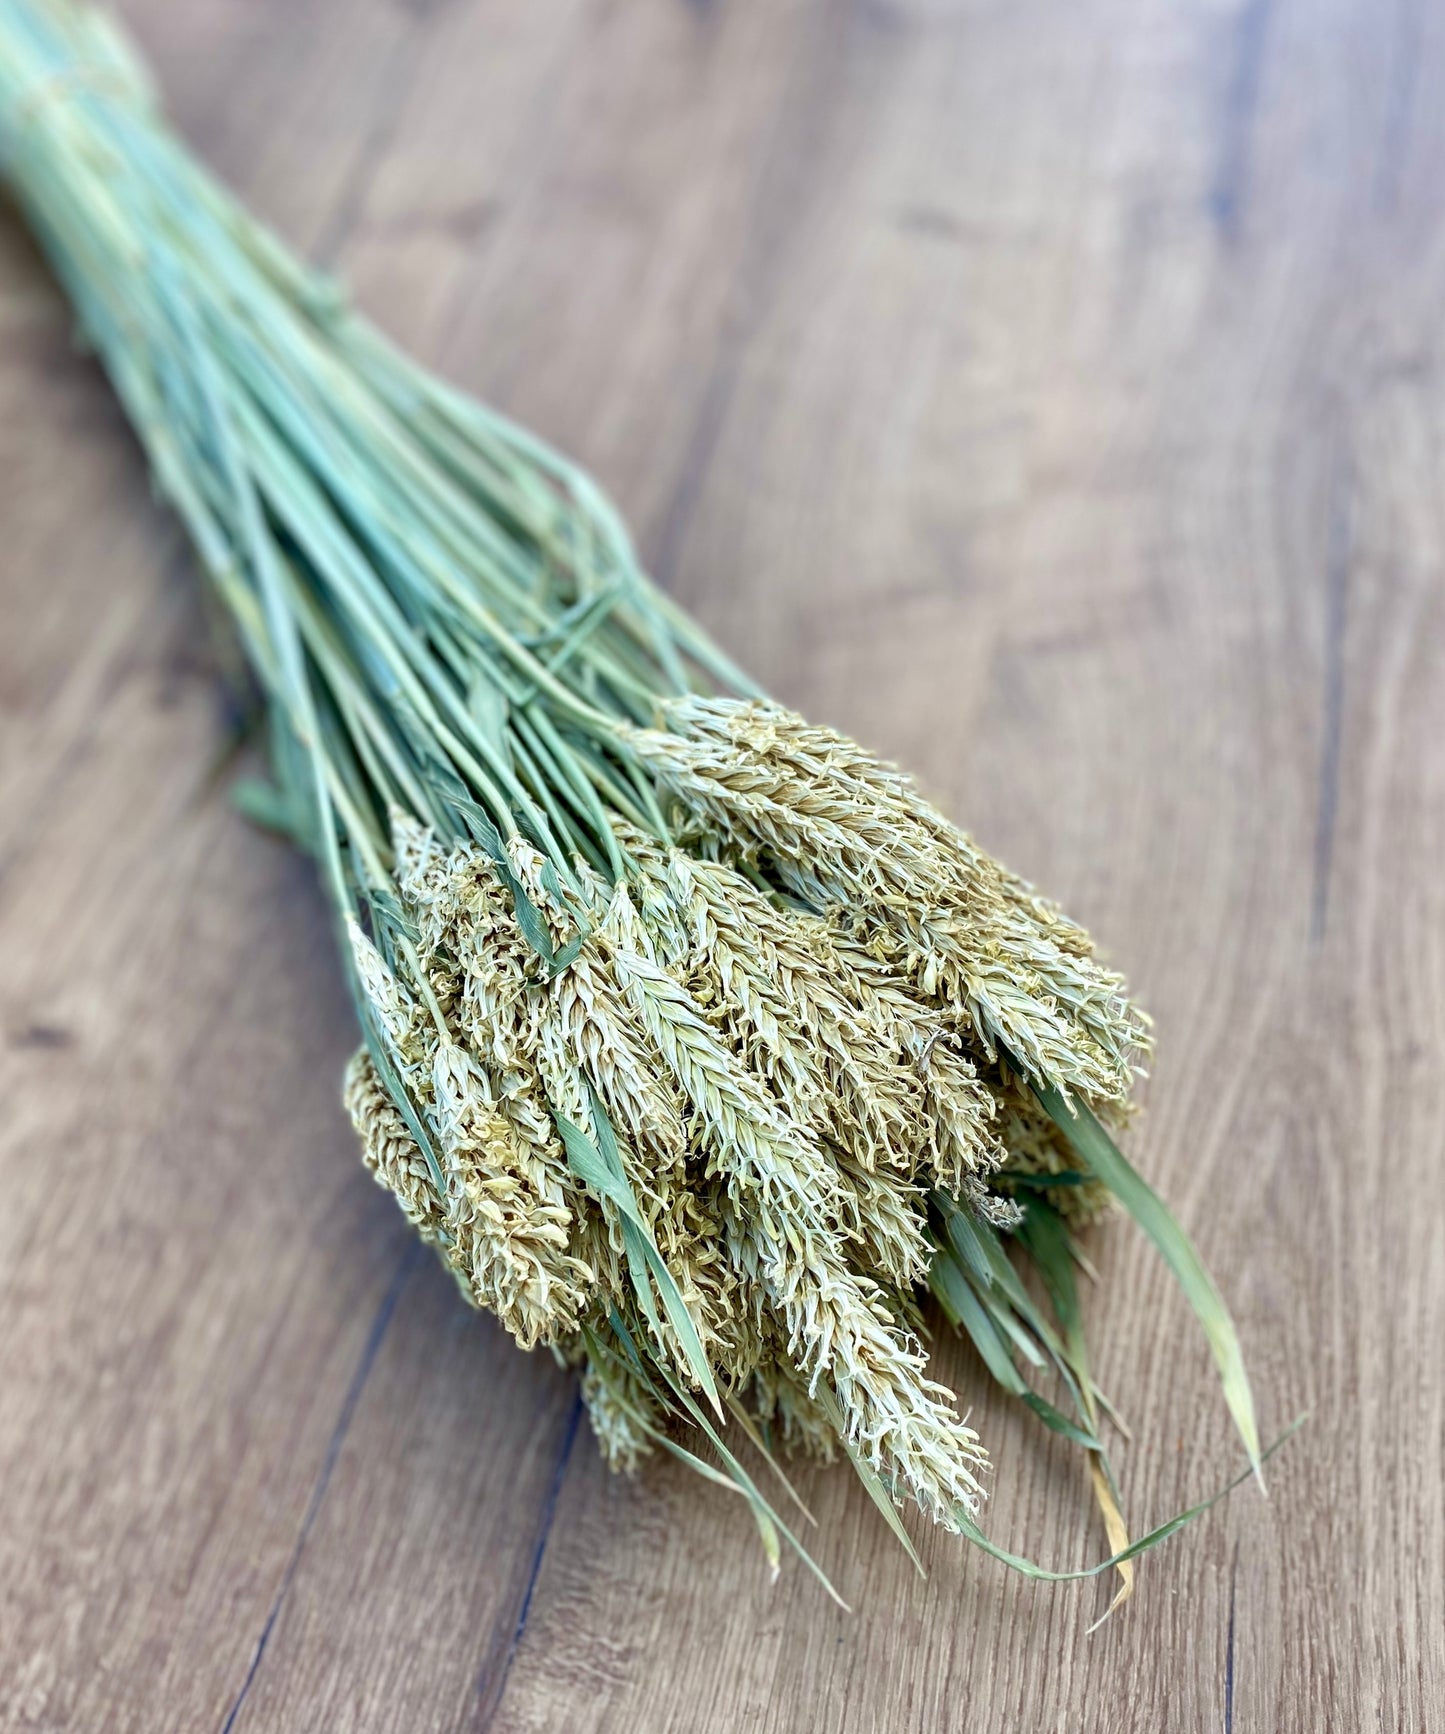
[[1053, 395]]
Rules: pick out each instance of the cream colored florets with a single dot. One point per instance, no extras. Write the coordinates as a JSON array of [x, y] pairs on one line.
[[792, 1028]]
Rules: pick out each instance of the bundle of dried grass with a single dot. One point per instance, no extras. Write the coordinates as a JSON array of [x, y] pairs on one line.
[[696, 1041]]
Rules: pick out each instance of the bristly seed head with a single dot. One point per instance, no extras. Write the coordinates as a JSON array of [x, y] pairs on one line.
[[791, 1025]]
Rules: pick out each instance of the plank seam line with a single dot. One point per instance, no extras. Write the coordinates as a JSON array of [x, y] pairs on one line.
[[1240, 106], [544, 1535], [1229, 1646], [1332, 705], [370, 1350]]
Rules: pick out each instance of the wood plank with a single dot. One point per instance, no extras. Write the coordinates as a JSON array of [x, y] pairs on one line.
[[1052, 396]]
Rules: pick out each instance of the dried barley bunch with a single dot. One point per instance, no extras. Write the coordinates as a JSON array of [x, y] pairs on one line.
[[695, 1040]]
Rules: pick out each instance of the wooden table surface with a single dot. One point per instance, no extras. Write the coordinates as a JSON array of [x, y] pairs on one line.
[[1052, 394]]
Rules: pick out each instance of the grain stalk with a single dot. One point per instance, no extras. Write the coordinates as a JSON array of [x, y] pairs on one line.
[[694, 1039]]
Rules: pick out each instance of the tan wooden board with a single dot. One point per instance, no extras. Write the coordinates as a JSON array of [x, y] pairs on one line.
[[1052, 394]]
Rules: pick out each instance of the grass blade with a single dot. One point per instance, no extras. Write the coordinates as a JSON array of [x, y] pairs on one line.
[[964, 1310], [1043, 1234], [750, 1488], [983, 1315], [600, 1167], [760, 1445], [1017, 1562], [1098, 1152]]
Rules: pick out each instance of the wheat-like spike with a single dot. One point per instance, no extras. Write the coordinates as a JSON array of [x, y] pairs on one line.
[[689, 1236], [884, 1217], [590, 1025], [763, 779], [436, 888], [588, 1031], [500, 1016], [959, 1139], [784, 1207], [800, 1016], [507, 1212], [425, 873], [418, 855], [621, 1411], [408, 1032], [845, 830], [823, 1049], [778, 1395], [388, 1149], [781, 1402], [1067, 1022], [842, 1042], [499, 1008], [840, 1330], [514, 1211], [748, 1133]]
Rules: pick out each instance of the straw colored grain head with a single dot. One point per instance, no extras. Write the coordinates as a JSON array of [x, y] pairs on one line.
[[506, 1208], [390, 1152], [843, 830], [625, 1416]]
